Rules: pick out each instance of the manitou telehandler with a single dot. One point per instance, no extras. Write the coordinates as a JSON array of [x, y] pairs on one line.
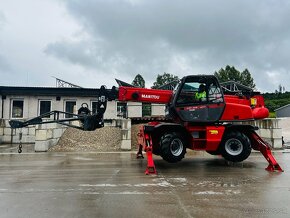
[[199, 116]]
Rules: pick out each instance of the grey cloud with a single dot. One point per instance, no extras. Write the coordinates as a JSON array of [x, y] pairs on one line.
[[146, 36], [4, 65], [82, 52], [2, 19]]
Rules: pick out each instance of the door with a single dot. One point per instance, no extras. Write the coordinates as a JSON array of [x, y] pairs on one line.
[[199, 99]]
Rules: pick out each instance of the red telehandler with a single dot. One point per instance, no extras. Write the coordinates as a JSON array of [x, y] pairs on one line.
[[200, 116]]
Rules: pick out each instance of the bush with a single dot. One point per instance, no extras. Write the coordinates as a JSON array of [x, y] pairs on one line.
[[272, 115]]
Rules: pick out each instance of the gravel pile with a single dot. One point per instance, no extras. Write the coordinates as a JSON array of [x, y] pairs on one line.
[[103, 139]]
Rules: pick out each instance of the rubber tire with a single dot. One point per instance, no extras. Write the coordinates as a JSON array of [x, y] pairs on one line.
[[166, 151], [245, 142]]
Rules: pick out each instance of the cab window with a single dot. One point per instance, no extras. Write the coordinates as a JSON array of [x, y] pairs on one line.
[[193, 93], [214, 93]]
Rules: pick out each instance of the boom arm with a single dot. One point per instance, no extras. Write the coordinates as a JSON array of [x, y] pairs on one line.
[[144, 95]]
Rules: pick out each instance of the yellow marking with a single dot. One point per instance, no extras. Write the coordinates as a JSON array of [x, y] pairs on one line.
[[253, 101], [214, 131]]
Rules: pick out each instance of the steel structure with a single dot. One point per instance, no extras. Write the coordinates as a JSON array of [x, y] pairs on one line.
[[63, 83]]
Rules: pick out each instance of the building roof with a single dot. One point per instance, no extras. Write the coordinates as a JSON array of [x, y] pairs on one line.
[[48, 91], [287, 105]]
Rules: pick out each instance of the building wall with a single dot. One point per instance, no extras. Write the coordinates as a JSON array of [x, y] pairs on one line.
[[284, 124], [283, 112], [31, 105], [158, 110], [111, 112], [134, 109], [31, 109]]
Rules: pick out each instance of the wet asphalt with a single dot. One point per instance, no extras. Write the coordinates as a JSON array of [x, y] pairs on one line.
[[114, 185]]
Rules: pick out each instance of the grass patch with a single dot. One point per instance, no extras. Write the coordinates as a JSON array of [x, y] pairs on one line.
[[272, 115]]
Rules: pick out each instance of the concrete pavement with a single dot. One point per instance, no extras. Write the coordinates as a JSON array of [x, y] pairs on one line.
[[114, 185]]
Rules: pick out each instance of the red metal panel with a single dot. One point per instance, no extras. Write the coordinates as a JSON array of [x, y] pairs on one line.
[[214, 136], [206, 137], [241, 108], [260, 113], [144, 95], [259, 100], [234, 111], [237, 99]]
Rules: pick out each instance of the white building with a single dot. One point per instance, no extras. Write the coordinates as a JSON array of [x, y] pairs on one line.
[[22, 103], [29, 102]]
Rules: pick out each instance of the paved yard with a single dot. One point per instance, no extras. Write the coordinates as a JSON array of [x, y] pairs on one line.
[[114, 185]]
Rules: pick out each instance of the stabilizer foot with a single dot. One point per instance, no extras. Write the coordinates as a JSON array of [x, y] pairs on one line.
[[274, 168], [260, 145], [150, 170]]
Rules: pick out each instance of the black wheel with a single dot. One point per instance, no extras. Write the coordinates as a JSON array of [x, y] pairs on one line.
[[173, 147], [235, 146]]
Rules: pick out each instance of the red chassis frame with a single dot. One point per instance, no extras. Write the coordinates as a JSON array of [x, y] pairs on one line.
[[210, 142]]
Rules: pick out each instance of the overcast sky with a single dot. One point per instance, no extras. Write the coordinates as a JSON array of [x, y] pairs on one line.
[[91, 42]]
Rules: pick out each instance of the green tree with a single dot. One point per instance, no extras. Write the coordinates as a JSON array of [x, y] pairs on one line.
[[231, 73], [276, 100], [163, 80], [139, 81]]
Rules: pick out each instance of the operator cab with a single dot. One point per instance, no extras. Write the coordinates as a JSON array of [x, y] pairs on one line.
[[198, 99]]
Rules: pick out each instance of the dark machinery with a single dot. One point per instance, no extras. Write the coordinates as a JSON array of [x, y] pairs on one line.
[[200, 117]]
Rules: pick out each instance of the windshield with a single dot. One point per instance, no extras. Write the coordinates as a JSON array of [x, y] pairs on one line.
[[195, 91]]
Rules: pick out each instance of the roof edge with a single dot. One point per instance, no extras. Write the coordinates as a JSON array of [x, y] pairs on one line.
[[282, 107]]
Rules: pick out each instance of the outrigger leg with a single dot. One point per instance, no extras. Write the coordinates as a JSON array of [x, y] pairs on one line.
[[148, 149], [260, 145]]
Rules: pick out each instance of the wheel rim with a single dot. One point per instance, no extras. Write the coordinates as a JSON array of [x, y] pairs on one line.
[[176, 147], [234, 147]]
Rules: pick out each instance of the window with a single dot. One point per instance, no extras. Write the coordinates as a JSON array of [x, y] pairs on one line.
[[200, 91], [146, 109], [122, 109], [70, 108], [44, 107], [192, 93], [94, 107], [215, 94], [17, 109]]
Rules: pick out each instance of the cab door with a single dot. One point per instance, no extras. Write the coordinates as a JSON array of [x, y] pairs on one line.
[[199, 99]]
